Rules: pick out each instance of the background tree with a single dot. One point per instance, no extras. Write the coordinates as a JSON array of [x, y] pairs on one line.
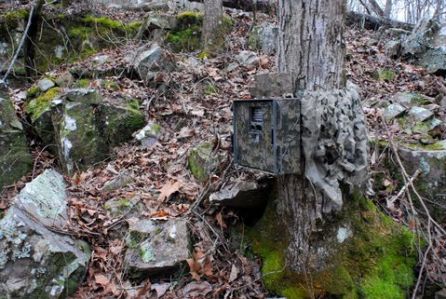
[[213, 23]]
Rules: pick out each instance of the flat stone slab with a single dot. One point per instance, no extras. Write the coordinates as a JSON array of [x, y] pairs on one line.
[[45, 84], [45, 199], [394, 110], [420, 113], [157, 246]]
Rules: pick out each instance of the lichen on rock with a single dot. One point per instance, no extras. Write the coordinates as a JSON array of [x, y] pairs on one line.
[[34, 261]]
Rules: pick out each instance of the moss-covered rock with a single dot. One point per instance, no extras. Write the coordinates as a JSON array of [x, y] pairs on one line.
[[38, 106], [430, 184], [78, 137], [121, 122], [186, 36], [385, 75], [202, 161], [80, 127], [15, 158], [157, 247], [376, 257]]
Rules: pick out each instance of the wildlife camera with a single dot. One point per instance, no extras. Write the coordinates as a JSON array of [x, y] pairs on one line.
[[267, 135]]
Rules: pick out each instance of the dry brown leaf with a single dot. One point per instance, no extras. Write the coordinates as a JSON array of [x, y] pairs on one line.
[[234, 273], [167, 190], [101, 279], [220, 220]]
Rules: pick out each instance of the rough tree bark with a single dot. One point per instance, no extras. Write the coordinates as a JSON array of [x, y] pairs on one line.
[[388, 9], [31, 35], [312, 49], [213, 24]]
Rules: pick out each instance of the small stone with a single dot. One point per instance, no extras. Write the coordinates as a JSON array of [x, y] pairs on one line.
[[157, 246], [122, 180], [120, 207], [59, 51], [101, 59], [201, 161], [343, 234], [420, 113], [45, 84], [392, 111], [148, 135], [247, 59], [232, 66], [392, 49], [150, 59], [65, 79]]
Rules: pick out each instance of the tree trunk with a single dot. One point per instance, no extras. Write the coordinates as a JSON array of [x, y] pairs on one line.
[[388, 9], [311, 44], [311, 49], [213, 24], [30, 41]]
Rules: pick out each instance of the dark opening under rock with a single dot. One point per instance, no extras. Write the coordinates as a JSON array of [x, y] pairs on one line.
[[242, 194]]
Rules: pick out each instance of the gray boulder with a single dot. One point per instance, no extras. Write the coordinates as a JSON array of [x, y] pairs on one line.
[[157, 246], [148, 60], [35, 262], [426, 45], [247, 59], [138, 4], [15, 158], [264, 38], [84, 127]]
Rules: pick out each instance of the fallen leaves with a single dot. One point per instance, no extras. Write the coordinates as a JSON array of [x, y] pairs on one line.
[[168, 189], [200, 265]]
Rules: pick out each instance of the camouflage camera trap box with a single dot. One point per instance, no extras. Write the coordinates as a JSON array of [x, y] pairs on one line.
[[267, 135]]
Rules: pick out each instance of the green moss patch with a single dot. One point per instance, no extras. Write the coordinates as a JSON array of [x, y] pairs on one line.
[[386, 75], [377, 262], [108, 23], [14, 17], [186, 36], [36, 107]]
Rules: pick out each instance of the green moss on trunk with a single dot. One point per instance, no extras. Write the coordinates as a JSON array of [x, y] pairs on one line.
[[376, 262]]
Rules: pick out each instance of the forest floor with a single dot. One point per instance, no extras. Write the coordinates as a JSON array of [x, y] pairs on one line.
[[194, 105]]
